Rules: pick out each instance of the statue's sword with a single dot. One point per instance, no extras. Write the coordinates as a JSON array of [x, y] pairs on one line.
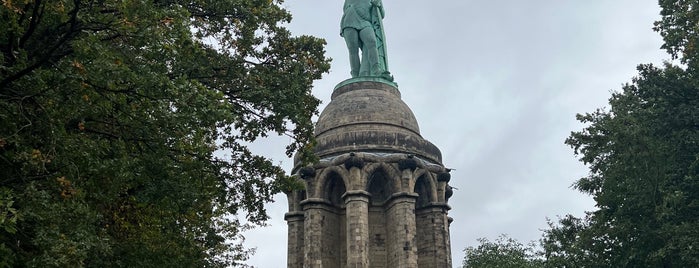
[[382, 34]]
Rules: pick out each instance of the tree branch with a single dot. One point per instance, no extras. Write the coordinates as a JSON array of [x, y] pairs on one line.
[[50, 54], [37, 12]]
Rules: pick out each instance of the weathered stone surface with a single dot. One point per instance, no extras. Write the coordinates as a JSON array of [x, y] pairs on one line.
[[378, 196], [370, 117]]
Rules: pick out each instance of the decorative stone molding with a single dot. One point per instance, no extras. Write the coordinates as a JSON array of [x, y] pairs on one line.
[[444, 177], [354, 161], [392, 158], [408, 163]]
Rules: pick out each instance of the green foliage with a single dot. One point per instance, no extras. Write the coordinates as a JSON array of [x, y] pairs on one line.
[[504, 252], [678, 27], [643, 156], [111, 114], [570, 243]]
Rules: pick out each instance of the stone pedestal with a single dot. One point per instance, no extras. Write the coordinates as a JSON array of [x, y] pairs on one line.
[[360, 208]]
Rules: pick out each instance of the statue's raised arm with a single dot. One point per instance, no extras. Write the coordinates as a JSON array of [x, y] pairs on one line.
[[362, 28]]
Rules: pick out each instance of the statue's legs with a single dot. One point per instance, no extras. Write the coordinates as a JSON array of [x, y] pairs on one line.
[[352, 39], [370, 53]]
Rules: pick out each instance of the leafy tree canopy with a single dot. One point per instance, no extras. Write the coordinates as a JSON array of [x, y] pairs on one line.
[[504, 252], [643, 155], [110, 116], [677, 26], [644, 164]]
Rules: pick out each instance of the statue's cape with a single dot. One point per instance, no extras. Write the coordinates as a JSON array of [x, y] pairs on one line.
[[377, 23]]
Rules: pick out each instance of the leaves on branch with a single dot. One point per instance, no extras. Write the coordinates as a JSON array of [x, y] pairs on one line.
[[123, 127]]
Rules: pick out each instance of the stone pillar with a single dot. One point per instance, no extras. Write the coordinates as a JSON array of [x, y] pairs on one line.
[[357, 209], [294, 220], [448, 241], [313, 232], [441, 231], [401, 229], [435, 222]]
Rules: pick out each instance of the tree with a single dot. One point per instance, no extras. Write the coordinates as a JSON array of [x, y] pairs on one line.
[[643, 156], [504, 252], [571, 243], [678, 29], [112, 114]]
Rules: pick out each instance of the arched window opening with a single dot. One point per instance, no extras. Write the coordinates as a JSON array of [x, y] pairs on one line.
[[379, 188], [422, 188], [335, 189]]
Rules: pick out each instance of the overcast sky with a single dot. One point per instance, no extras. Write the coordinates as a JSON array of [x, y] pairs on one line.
[[495, 84]]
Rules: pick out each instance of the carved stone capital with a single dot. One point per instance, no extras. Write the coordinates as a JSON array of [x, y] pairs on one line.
[[354, 161], [444, 177], [294, 216], [407, 163], [449, 192], [307, 173], [356, 195]]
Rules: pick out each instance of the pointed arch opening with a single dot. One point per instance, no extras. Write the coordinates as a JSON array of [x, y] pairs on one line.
[[333, 220], [424, 191], [334, 189], [424, 221], [380, 187]]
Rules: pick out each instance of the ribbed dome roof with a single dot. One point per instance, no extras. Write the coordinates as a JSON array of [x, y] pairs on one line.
[[370, 117]]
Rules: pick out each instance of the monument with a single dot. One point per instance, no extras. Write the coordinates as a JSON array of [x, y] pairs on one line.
[[362, 27], [378, 196]]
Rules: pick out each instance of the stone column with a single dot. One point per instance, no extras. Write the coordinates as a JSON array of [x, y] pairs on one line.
[[448, 241], [437, 224], [313, 232], [295, 252], [401, 229], [357, 209]]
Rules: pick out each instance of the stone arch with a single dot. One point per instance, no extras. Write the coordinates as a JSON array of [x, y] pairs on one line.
[[425, 186], [379, 187], [334, 188], [381, 182], [391, 173], [424, 191], [320, 187], [426, 219], [329, 216]]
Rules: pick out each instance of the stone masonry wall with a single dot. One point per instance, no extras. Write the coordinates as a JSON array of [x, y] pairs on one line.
[[334, 248], [295, 239], [400, 226], [377, 237], [433, 238], [355, 232]]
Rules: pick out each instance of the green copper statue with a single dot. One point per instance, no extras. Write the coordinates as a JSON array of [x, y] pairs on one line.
[[362, 28]]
